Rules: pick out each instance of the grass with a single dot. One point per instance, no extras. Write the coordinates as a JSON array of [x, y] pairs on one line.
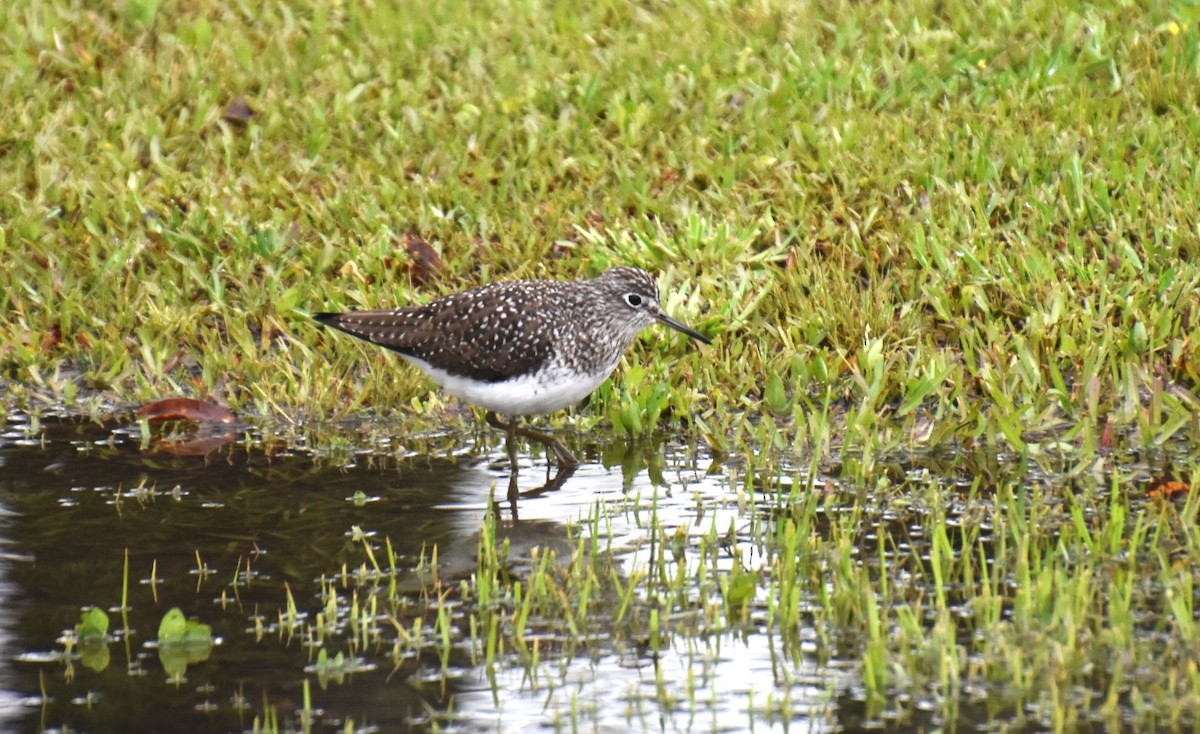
[[923, 229], [984, 215]]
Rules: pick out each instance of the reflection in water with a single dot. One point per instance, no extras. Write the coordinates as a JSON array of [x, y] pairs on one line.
[[230, 537], [10, 598]]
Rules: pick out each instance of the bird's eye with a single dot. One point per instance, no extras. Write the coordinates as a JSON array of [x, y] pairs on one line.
[[633, 299]]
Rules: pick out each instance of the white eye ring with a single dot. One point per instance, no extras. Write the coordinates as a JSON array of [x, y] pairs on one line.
[[633, 299]]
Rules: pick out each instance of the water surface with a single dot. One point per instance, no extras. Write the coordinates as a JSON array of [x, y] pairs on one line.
[[245, 534]]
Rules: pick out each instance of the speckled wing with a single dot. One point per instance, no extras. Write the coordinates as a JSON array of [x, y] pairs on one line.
[[490, 339]]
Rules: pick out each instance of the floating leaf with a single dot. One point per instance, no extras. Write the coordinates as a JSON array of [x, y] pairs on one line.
[[173, 626], [197, 633], [93, 623], [92, 632], [181, 642]]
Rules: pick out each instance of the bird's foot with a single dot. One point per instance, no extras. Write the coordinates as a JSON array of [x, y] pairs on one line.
[[564, 455], [566, 459]]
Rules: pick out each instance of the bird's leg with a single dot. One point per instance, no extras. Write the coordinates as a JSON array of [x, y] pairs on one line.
[[510, 440], [514, 493], [565, 457]]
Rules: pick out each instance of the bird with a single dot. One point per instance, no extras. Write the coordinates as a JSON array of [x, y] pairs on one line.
[[520, 348]]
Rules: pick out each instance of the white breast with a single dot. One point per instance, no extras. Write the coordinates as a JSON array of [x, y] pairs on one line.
[[546, 392]]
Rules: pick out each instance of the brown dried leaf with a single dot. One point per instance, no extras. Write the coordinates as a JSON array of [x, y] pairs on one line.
[[185, 409], [238, 113], [1167, 488], [52, 338], [423, 259]]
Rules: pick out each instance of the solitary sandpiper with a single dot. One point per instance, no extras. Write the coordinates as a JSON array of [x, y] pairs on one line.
[[520, 348]]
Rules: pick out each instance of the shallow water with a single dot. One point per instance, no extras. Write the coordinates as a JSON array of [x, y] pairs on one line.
[[75, 498], [228, 535]]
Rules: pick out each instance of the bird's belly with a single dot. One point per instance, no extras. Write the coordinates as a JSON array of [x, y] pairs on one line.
[[544, 392]]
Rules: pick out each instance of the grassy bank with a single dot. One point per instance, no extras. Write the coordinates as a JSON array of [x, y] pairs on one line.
[[984, 218]]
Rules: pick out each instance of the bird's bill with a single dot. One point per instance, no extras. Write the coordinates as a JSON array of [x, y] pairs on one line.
[[680, 326]]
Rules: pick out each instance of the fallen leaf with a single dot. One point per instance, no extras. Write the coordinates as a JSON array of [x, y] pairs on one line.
[[1167, 488], [52, 337], [238, 113], [185, 409], [424, 261]]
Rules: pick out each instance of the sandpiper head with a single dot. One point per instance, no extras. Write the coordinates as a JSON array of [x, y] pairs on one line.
[[636, 293]]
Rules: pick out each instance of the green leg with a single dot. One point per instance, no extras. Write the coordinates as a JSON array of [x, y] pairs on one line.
[[565, 457]]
